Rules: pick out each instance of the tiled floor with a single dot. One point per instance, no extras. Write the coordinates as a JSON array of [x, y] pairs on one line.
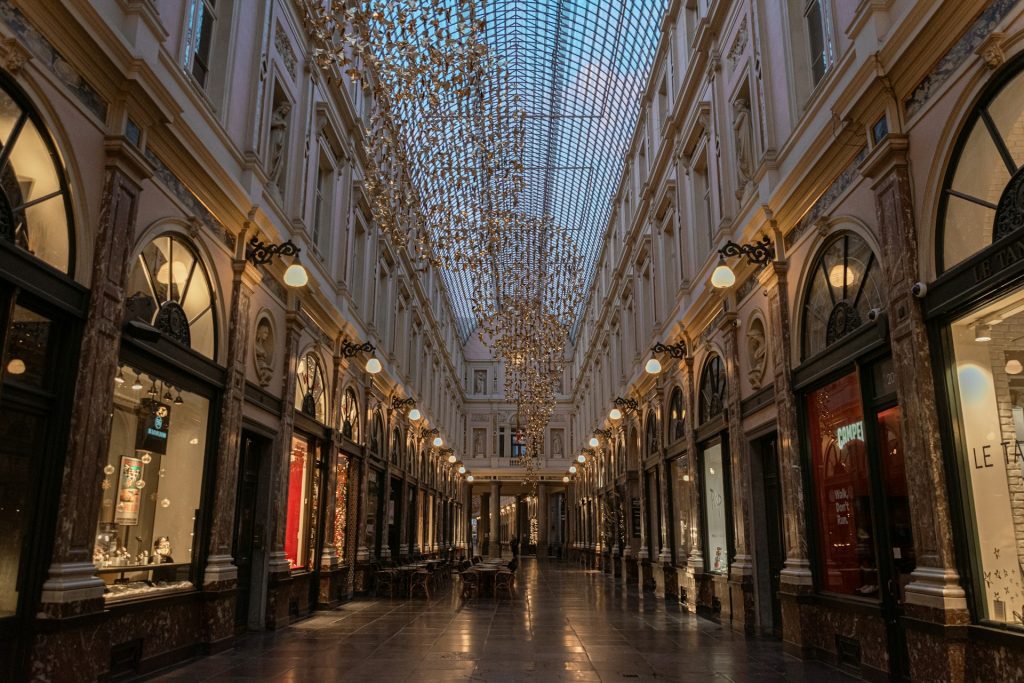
[[566, 625]]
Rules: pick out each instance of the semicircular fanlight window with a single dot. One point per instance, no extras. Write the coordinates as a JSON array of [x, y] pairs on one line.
[[168, 288]]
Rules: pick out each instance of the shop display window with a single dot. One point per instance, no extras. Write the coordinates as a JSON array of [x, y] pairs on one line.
[[716, 550], [310, 394], [989, 391], [838, 449], [151, 487], [676, 416], [341, 505], [296, 526], [680, 477]]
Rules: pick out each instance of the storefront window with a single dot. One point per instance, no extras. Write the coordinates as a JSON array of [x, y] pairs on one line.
[[152, 482], [842, 488], [341, 505], [717, 548], [679, 469], [168, 289], [299, 469], [712, 389], [989, 350], [34, 212]]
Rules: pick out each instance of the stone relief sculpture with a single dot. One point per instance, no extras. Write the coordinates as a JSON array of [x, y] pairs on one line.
[[263, 352], [757, 352], [744, 148], [278, 135], [479, 381], [479, 450]]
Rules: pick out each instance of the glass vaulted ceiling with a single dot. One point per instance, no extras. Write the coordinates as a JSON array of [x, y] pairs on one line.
[[579, 68]]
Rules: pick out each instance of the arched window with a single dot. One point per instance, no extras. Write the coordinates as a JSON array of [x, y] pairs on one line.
[[986, 174], [350, 415], [377, 434], [845, 284], [712, 389], [676, 415], [168, 288], [310, 393], [34, 210], [651, 435], [396, 447]]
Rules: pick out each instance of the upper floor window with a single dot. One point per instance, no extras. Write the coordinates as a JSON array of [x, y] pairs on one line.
[[323, 190], [845, 285], [816, 15], [199, 34], [651, 436], [34, 211], [168, 288]]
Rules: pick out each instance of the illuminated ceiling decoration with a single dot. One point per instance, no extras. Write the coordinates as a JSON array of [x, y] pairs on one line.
[[494, 145]]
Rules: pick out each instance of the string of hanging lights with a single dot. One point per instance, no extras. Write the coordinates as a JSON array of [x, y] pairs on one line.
[[444, 146]]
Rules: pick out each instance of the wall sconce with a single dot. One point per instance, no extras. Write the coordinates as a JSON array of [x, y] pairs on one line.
[[628, 404], [565, 480], [758, 253], [350, 350], [260, 253], [594, 443], [677, 350], [469, 478]]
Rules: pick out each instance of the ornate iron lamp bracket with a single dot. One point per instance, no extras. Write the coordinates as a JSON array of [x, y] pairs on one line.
[[758, 253], [349, 350], [400, 403], [629, 405], [677, 350], [260, 253]]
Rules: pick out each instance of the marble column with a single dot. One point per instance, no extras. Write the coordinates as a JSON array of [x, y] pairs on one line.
[[698, 585], [483, 530], [495, 549], [72, 587], [543, 503], [934, 593], [364, 553], [795, 578], [741, 570], [220, 569]]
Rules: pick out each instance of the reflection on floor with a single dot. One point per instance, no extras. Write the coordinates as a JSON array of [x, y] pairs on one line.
[[565, 625]]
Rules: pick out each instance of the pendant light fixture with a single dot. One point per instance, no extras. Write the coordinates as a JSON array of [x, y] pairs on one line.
[[137, 384]]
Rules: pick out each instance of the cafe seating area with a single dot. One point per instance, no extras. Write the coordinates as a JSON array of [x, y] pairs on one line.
[[427, 577]]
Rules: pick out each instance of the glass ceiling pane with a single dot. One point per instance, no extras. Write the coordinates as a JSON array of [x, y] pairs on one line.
[[579, 68]]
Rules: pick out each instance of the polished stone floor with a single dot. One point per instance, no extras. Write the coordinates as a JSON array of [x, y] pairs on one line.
[[566, 625]]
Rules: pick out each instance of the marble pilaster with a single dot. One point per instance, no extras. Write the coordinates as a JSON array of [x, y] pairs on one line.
[[495, 545], [72, 587]]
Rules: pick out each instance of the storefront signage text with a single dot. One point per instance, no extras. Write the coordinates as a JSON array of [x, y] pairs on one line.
[[840, 498], [1002, 259], [1012, 452], [852, 432]]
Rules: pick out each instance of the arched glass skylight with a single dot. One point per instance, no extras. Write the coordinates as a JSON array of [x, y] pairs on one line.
[[579, 68]]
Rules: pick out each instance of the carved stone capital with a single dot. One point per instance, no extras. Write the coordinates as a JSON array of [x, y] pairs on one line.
[[13, 55], [991, 50]]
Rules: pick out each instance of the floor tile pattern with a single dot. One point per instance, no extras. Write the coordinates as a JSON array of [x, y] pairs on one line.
[[565, 625]]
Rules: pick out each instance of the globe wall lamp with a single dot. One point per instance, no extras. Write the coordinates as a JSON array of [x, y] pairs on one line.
[[757, 253], [594, 443], [623, 404], [565, 480], [350, 350], [677, 350], [260, 253]]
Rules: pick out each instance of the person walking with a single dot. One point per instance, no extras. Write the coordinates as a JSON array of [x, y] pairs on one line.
[[514, 545]]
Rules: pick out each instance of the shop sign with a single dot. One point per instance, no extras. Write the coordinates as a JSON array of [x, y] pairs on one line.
[[848, 433], [154, 426], [1000, 260], [129, 491]]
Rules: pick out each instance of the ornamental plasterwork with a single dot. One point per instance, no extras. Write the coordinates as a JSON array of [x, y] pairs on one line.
[[284, 48], [738, 45]]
